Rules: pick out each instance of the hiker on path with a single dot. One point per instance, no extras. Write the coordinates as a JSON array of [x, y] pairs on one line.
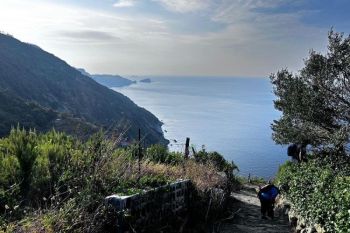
[[267, 196]]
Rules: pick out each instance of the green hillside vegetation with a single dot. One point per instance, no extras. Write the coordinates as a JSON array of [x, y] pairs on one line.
[[14, 111], [315, 107], [30, 73], [54, 183]]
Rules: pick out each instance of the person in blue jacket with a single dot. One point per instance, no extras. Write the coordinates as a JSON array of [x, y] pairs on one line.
[[267, 196]]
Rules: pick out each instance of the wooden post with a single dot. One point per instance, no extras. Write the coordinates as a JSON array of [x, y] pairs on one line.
[[139, 154], [193, 151], [187, 151]]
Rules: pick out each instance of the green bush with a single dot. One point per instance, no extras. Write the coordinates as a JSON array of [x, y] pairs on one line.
[[319, 191], [160, 154], [53, 171], [55, 183], [216, 159]]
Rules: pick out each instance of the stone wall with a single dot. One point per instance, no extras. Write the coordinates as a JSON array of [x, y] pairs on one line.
[[299, 224], [152, 208]]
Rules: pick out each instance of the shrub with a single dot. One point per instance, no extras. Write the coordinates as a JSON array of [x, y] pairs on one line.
[[217, 160], [54, 183], [160, 154], [319, 192]]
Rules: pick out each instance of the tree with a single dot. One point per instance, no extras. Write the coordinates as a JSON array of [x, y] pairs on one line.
[[315, 103]]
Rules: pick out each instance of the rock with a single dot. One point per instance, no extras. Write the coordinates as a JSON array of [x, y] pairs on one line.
[[293, 221], [311, 230], [308, 230], [302, 223], [319, 229], [300, 228], [299, 224]]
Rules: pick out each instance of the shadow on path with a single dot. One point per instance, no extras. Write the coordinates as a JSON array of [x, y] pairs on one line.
[[248, 218]]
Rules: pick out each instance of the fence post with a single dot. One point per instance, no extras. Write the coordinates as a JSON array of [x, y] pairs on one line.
[[187, 150], [139, 155]]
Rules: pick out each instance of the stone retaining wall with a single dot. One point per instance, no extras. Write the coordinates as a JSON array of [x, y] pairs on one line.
[[153, 207], [299, 224]]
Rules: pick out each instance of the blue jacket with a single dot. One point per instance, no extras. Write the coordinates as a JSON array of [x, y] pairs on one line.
[[268, 193]]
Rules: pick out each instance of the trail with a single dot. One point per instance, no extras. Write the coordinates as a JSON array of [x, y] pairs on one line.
[[248, 218]]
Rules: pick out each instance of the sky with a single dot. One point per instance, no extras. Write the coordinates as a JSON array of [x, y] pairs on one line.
[[246, 38]]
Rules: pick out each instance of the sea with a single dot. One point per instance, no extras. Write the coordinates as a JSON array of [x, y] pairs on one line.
[[232, 116]]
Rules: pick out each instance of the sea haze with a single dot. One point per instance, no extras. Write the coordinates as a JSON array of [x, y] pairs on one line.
[[228, 115]]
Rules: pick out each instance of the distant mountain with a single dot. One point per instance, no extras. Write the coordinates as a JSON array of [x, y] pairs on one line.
[[146, 80], [32, 76], [109, 80], [84, 72]]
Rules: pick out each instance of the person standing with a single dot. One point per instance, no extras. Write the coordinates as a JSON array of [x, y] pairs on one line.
[[267, 196]]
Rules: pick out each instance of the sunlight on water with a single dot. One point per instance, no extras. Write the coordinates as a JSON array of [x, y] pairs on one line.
[[229, 115]]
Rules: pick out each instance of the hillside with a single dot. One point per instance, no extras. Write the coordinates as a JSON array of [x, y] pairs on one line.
[[30, 73], [109, 80], [15, 111]]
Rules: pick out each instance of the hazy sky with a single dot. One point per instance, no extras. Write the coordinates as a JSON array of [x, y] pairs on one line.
[[177, 37]]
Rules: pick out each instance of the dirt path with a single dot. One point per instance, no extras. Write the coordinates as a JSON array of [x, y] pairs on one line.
[[248, 218]]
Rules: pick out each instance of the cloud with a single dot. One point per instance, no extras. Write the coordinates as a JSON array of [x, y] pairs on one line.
[[255, 21], [250, 37], [124, 3], [184, 6], [88, 35], [259, 37], [229, 11]]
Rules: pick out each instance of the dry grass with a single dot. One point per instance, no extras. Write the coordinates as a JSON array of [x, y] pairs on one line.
[[203, 176]]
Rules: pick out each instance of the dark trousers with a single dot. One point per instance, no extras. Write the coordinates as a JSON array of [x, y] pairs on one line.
[[267, 208]]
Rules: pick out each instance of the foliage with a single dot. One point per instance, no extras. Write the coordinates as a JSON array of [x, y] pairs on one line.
[[319, 191], [216, 159], [54, 183], [315, 106], [23, 146], [160, 154], [315, 103]]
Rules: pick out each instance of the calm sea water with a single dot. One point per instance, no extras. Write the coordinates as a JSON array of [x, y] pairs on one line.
[[228, 115]]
